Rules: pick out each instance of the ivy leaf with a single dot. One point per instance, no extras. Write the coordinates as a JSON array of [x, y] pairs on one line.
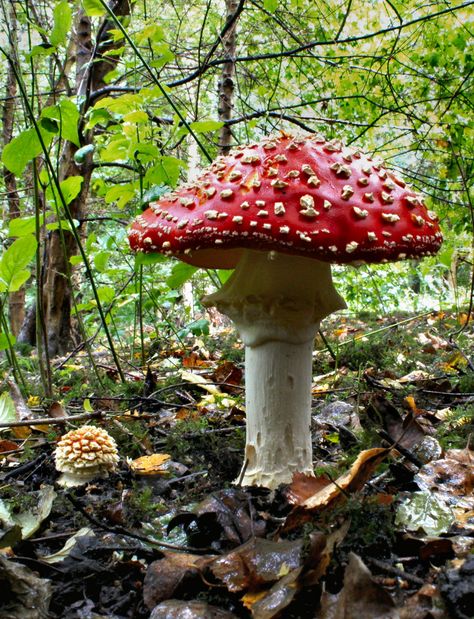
[[14, 260], [93, 8], [62, 23]]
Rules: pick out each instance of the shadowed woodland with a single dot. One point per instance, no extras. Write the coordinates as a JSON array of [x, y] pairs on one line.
[[128, 400]]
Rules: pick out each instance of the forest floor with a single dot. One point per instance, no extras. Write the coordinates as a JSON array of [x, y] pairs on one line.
[[385, 530]]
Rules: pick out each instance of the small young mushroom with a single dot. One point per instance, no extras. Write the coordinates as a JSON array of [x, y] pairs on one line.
[[84, 454], [334, 205]]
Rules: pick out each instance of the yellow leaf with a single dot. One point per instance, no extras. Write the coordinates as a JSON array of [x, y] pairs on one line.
[[249, 599], [150, 465]]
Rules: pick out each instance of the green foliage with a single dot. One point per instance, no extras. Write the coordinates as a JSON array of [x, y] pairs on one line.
[[13, 273], [62, 23]]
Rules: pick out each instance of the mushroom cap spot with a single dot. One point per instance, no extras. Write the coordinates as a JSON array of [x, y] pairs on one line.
[[297, 189]]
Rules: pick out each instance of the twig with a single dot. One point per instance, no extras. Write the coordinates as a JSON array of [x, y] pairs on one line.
[[143, 538], [390, 569]]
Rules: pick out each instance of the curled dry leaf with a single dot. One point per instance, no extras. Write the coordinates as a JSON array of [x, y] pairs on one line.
[[150, 465], [325, 493]]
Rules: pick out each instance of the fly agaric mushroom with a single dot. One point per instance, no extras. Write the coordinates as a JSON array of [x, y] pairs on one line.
[[84, 454], [280, 212]]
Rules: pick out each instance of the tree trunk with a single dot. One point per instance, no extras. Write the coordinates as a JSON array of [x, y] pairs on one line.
[[16, 300], [226, 82], [91, 68]]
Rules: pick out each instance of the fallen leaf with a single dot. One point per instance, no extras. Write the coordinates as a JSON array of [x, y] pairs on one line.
[[29, 520], [56, 557], [192, 609], [423, 511], [171, 576], [150, 465], [351, 481], [360, 597], [257, 562], [28, 596], [6, 445]]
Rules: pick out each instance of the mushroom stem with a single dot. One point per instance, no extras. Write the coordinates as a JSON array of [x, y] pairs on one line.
[[277, 302]]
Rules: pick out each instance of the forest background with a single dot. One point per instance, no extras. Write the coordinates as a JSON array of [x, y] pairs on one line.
[[107, 106]]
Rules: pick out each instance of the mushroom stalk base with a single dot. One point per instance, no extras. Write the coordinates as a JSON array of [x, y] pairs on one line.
[[277, 301]]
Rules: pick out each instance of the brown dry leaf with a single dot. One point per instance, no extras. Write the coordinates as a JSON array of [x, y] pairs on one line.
[[228, 373], [305, 486], [150, 465], [6, 445], [171, 575], [57, 410], [351, 481], [360, 597]]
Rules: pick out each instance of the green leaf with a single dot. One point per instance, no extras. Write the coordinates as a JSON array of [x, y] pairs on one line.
[[202, 126], [426, 512], [106, 294], [142, 259], [270, 5], [6, 340], [93, 8], [180, 274], [21, 150], [100, 260], [66, 115], [62, 23], [70, 188], [43, 49], [20, 226], [164, 172], [120, 194], [154, 193], [13, 262]]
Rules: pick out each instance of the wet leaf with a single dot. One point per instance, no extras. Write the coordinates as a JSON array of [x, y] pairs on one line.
[[177, 609], [424, 511], [170, 576], [256, 563]]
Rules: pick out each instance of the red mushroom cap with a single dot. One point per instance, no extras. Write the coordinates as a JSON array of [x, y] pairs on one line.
[[296, 195]]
